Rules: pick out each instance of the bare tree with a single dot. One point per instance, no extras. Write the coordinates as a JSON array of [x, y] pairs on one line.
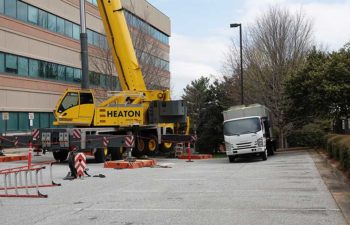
[[273, 47], [101, 60]]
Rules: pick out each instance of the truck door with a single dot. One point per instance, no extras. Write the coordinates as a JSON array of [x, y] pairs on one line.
[[87, 107]]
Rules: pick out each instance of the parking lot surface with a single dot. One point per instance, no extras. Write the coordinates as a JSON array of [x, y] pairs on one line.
[[285, 189]]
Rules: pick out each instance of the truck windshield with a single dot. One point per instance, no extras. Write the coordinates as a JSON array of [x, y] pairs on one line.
[[69, 101], [243, 126]]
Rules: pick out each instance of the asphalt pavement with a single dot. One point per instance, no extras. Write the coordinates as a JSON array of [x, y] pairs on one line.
[[285, 189]]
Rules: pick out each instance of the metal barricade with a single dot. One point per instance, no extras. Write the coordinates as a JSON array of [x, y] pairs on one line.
[[21, 181]]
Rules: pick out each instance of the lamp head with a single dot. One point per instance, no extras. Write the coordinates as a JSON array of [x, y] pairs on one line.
[[235, 25]]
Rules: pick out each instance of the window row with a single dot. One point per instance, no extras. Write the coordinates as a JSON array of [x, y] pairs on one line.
[[136, 22], [19, 121], [23, 66], [140, 24], [92, 1], [148, 59], [35, 16]]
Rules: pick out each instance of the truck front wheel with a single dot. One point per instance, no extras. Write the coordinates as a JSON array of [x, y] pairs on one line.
[[264, 155], [231, 158]]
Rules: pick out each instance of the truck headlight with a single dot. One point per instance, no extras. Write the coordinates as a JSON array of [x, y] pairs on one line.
[[260, 142], [227, 146]]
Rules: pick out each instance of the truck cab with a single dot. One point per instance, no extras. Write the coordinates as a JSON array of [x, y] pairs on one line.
[[76, 107], [247, 134]]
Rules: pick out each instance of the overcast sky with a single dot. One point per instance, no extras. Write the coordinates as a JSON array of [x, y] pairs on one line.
[[201, 33]]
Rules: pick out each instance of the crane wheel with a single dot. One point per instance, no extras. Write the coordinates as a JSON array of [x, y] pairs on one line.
[[152, 145], [116, 153], [60, 155], [100, 155], [140, 148]]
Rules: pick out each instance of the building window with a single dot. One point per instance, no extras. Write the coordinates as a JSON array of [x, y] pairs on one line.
[[76, 32], [68, 28], [69, 74], [42, 20], [33, 14], [33, 68], [51, 120], [94, 79], [10, 8], [96, 39], [2, 122], [42, 69], [22, 66], [23, 121], [51, 71], [60, 25], [2, 62], [2, 6], [12, 123], [44, 120], [11, 64], [22, 11], [61, 72], [52, 22], [77, 75], [90, 37]]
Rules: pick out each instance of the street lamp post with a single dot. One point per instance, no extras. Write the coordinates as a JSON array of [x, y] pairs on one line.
[[240, 46]]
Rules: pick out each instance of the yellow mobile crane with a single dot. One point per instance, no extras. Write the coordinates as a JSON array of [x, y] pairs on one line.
[[149, 114]]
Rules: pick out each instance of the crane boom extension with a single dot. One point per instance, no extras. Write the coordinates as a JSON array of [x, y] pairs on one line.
[[119, 40]]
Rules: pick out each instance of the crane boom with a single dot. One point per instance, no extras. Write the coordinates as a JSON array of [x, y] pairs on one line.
[[120, 42]]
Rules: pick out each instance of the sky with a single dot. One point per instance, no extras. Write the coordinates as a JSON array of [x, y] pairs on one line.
[[201, 33]]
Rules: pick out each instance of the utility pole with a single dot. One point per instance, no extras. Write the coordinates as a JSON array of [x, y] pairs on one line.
[[84, 48]]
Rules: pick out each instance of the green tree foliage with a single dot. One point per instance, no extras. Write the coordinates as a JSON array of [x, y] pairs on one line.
[[205, 105], [196, 96], [321, 88]]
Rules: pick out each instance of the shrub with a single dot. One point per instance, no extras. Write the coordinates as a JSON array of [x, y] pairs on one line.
[[310, 135], [338, 147]]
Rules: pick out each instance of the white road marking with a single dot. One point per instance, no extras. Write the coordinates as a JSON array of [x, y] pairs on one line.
[[196, 210]]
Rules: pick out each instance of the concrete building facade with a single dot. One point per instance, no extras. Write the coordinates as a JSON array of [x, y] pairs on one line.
[[40, 55]]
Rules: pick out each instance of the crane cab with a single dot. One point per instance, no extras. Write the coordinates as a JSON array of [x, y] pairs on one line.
[[76, 107]]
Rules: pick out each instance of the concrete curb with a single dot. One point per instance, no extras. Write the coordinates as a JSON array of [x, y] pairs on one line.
[[12, 158], [121, 164], [336, 180]]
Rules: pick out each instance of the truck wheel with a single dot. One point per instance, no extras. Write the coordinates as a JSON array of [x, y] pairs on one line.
[[167, 147], [140, 148], [152, 145], [60, 155], [231, 158], [100, 155], [271, 150], [264, 155], [116, 153]]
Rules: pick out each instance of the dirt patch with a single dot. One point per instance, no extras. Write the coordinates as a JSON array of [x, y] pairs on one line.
[[336, 180]]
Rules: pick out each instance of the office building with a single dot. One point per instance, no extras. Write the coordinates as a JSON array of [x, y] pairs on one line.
[[40, 55]]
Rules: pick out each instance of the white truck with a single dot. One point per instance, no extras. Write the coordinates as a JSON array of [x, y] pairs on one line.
[[248, 131]]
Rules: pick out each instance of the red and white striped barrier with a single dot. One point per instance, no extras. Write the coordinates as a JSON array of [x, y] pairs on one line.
[[80, 164]]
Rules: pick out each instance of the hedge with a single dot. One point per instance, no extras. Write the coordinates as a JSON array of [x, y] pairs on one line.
[[338, 147]]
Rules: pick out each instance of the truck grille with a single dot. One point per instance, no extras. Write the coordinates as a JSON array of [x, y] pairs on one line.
[[245, 145]]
